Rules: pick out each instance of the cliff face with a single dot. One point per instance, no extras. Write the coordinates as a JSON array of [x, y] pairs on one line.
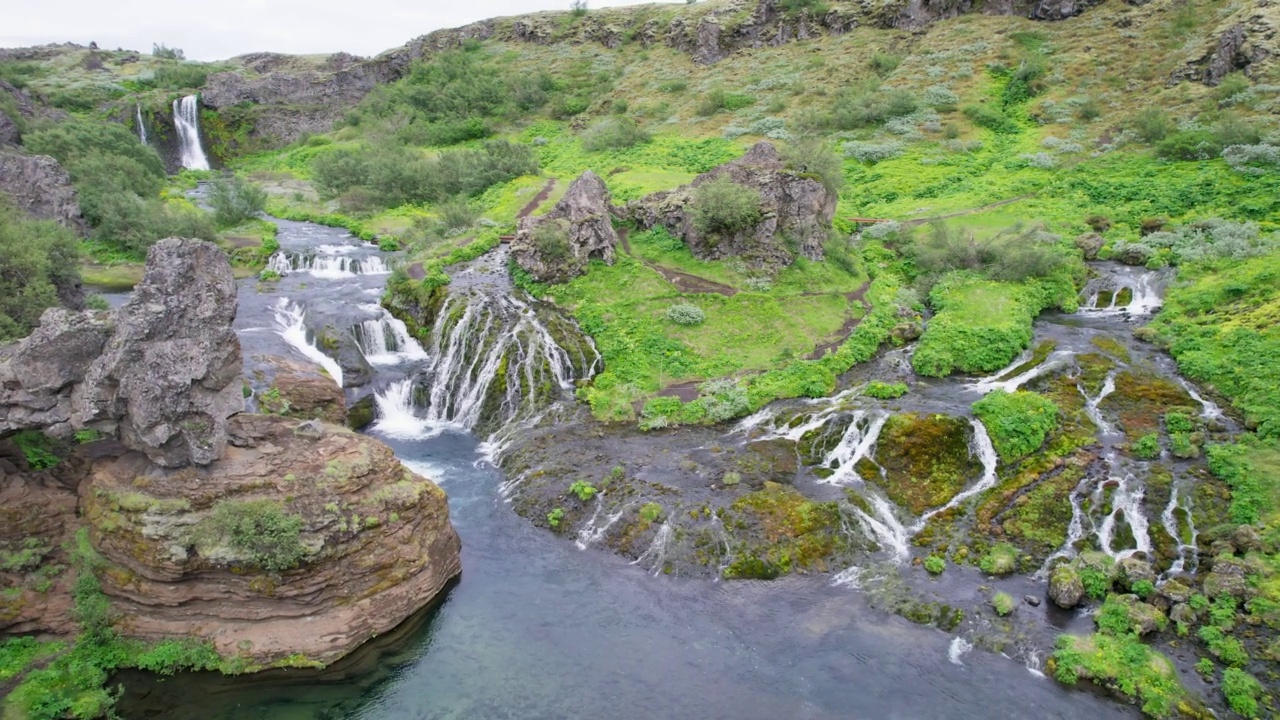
[[273, 538], [372, 544], [41, 187]]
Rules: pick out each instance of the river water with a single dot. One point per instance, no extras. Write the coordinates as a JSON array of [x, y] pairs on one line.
[[537, 628]]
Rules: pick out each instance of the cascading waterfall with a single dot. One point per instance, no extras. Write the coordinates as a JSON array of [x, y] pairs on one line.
[[327, 266], [883, 525], [290, 324], [1124, 292], [186, 118], [595, 529], [142, 126], [1126, 503], [1188, 555], [657, 550], [491, 358], [858, 443], [1054, 361], [385, 340], [395, 416]]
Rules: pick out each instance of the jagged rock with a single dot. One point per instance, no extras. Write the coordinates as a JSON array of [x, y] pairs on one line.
[[1228, 577], [1183, 614], [584, 216], [374, 544], [1065, 587], [41, 187], [301, 391], [1246, 539], [792, 205], [1145, 619], [362, 413], [1227, 57], [1131, 570], [1060, 9], [169, 377], [1090, 244], [38, 373]]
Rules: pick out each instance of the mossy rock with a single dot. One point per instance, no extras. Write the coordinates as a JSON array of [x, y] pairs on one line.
[[1142, 399], [926, 459], [783, 531], [1001, 559]]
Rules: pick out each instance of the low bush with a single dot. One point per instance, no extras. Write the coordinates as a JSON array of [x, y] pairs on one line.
[[722, 206], [685, 314], [873, 152], [992, 119], [551, 240], [935, 565], [1152, 125], [260, 532], [1017, 422], [1242, 691], [885, 391], [1147, 447], [38, 265], [613, 133], [235, 200], [717, 100], [815, 156]]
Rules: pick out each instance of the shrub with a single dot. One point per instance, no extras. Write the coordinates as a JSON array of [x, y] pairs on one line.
[[873, 152], [991, 119], [235, 200], [1252, 159], [722, 206], [1017, 422], [1003, 603], [261, 532], [718, 99], [555, 517], [935, 565], [724, 399], [164, 52], [651, 512], [1147, 447], [673, 86], [813, 155], [613, 133], [685, 314], [1231, 129], [885, 391], [38, 264], [1014, 254], [1224, 647], [866, 107], [578, 8], [1189, 145], [583, 489], [885, 63], [551, 240], [1001, 559], [940, 97], [457, 212], [181, 76], [1242, 691], [1152, 124]]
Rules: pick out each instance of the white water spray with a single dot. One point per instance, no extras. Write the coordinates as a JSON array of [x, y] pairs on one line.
[[1054, 361], [290, 324], [986, 453], [327, 266], [385, 340], [186, 118], [142, 126], [959, 646], [657, 550], [595, 529]]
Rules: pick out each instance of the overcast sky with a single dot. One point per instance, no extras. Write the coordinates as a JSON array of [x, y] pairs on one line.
[[219, 30]]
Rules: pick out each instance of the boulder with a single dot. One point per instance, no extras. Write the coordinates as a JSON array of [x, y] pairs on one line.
[[1145, 619], [1175, 591], [169, 377], [1183, 614], [1066, 590], [1131, 570], [300, 391], [1246, 539], [1228, 577], [793, 205], [584, 225], [42, 188], [359, 542], [1059, 9], [37, 374], [1090, 244]]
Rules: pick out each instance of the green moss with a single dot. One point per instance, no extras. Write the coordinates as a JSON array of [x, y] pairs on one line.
[[1017, 422], [1003, 603], [1001, 559], [1123, 665], [926, 460], [785, 532]]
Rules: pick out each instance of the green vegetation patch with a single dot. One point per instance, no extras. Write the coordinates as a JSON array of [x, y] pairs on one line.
[[36, 259], [1017, 422], [258, 532], [787, 533], [1122, 664], [926, 460]]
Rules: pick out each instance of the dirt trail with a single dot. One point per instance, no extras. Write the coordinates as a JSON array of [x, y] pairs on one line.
[[860, 296], [537, 200], [970, 211], [684, 282]]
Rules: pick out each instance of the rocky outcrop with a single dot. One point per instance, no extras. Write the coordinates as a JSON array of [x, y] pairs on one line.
[[41, 187], [38, 374], [298, 390], [169, 377], [557, 246], [1243, 41], [792, 205], [37, 519], [299, 541]]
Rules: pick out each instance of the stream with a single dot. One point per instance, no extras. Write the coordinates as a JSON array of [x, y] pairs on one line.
[[539, 628]]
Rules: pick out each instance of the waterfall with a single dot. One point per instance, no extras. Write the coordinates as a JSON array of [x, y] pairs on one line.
[[1126, 503], [1187, 550], [885, 527], [290, 325], [385, 340], [959, 646], [858, 442], [142, 126], [396, 416], [186, 118], [327, 267], [657, 550], [1054, 361], [986, 453], [1124, 291], [492, 361], [594, 530], [1091, 404]]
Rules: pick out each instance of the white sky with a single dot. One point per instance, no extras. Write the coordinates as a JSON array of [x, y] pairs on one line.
[[225, 28]]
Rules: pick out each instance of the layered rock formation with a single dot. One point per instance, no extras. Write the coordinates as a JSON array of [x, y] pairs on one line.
[[300, 540], [795, 212], [556, 247], [279, 541], [41, 187]]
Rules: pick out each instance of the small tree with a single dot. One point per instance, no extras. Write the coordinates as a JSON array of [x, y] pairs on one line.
[[722, 206], [164, 52], [235, 200], [551, 240], [578, 7]]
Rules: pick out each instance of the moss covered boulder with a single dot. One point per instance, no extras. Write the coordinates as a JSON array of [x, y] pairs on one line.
[[926, 460]]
